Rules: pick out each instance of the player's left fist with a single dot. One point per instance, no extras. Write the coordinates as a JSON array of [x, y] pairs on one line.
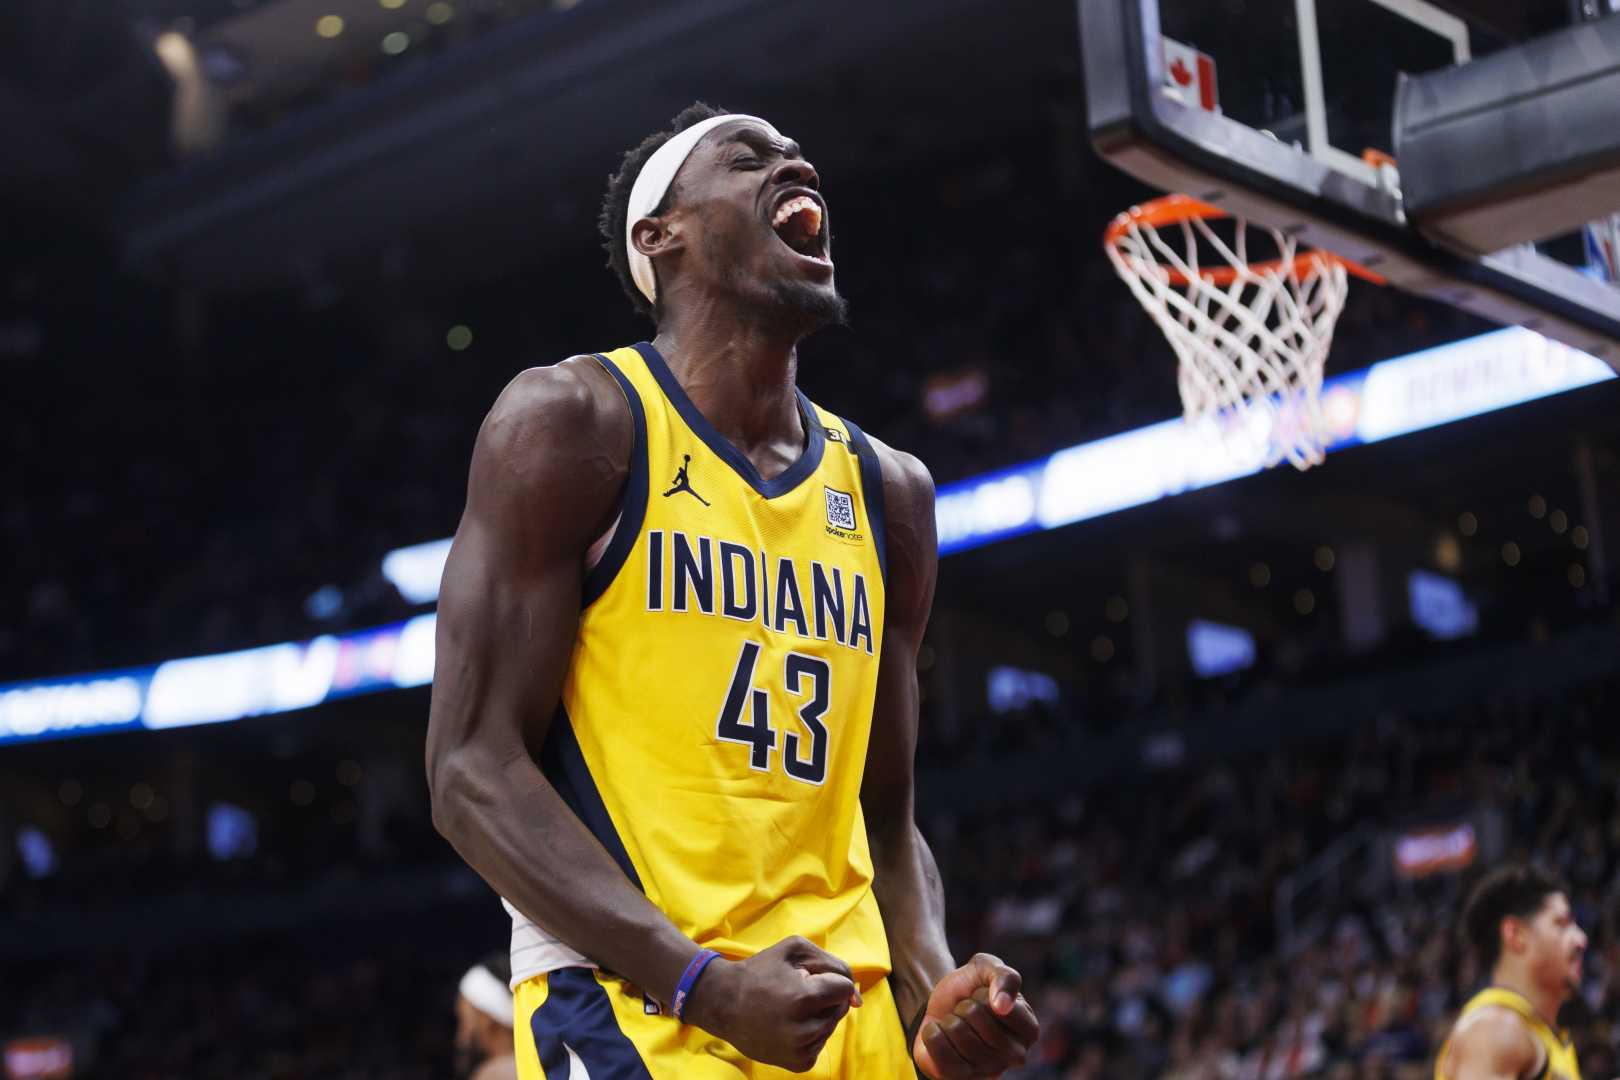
[[977, 1024]]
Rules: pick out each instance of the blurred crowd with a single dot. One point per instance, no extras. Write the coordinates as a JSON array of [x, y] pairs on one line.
[[1143, 910], [338, 1000], [1146, 912]]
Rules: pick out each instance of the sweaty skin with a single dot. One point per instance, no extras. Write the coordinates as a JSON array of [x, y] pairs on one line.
[[547, 476]]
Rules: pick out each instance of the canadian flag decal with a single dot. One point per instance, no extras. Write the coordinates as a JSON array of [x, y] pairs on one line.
[[1189, 76]]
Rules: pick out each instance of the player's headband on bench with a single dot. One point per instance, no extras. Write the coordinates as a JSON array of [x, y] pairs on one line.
[[654, 180], [487, 994]]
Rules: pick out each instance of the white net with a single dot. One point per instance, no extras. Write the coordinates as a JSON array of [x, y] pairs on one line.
[[1251, 340]]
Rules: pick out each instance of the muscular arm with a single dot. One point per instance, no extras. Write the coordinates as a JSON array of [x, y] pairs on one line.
[[1495, 1046], [977, 1024], [547, 470], [907, 883]]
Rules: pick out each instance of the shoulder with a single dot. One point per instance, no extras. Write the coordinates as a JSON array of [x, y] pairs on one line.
[[1495, 1035], [908, 486], [558, 436], [564, 403], [911, 543]]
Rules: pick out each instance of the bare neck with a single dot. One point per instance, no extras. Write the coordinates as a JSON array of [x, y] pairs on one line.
[[1546, 1003], [741, 375]]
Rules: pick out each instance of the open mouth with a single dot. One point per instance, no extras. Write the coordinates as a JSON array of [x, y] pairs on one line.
[[799, 223]]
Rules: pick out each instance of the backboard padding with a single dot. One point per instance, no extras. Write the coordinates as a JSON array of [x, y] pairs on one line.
[[1222, 160]]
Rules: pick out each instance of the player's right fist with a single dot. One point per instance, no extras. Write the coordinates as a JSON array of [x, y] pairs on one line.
[[778, 1007]]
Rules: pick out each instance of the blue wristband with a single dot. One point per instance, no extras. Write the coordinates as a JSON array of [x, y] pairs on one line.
[[689, 978]]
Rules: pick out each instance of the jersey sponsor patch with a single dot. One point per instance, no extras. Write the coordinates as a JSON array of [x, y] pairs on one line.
[[840, 509]]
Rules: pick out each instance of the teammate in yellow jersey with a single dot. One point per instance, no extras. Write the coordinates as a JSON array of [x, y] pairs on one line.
[[675, 703], [1519, 923]]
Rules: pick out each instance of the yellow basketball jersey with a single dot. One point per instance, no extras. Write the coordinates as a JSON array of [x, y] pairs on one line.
[[1561, 1063], [714, 722]]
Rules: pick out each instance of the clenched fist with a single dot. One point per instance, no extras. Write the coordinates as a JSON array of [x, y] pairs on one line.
[[778, 1007], [977, 1024]]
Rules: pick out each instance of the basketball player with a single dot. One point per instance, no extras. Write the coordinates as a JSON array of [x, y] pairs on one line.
[[484, 1022], [1519, 923], [675, 705]]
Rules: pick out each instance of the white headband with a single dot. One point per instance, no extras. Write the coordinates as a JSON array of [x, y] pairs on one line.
[[486, 993], [654, 180]]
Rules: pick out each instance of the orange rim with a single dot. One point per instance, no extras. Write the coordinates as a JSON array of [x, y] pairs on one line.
[[1377, 158], [1175, 209]]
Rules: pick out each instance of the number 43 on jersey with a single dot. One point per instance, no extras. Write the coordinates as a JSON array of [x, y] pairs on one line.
[[746, 715]]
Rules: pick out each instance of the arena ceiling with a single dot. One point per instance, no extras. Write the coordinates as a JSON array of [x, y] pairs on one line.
[[507, 137]]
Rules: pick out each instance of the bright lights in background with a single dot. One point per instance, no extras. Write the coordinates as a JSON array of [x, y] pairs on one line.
[[324, 603], [233, 833], [174, 50], [396, 42], [35, 850], [1218, 649], [329, 26], [214, 689], [1469, 378], [459, 337], [1439, 607], [1407, 394], [1393, 398], [987, 508], [1431, 851], [197, 110], [42, 1057], [106, 702], [1009, 689], [950, 393], [415, 571], [221, 688]]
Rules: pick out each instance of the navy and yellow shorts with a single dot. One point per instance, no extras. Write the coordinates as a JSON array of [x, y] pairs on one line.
[[579, 1024]]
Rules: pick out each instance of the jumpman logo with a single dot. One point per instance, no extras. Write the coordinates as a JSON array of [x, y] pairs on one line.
[[683, 483]]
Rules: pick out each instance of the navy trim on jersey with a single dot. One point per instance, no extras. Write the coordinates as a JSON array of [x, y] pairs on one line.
[[563, 764], [777, 485], [633, 509], [578, 1016], [872, 489]]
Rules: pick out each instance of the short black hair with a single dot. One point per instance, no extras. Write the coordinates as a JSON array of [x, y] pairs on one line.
[[1517, 890], [616, 204]]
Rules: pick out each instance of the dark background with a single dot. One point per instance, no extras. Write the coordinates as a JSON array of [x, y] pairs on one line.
[[226, 290]]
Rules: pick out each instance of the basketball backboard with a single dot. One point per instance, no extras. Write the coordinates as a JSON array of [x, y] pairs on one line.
[[1282, 111]]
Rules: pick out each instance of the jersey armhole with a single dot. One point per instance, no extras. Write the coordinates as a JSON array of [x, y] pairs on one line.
[[633, 506], [1546, 1061], [871, 492]]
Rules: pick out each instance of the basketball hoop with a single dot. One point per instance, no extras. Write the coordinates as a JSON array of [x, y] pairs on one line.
[[1251, 339]]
